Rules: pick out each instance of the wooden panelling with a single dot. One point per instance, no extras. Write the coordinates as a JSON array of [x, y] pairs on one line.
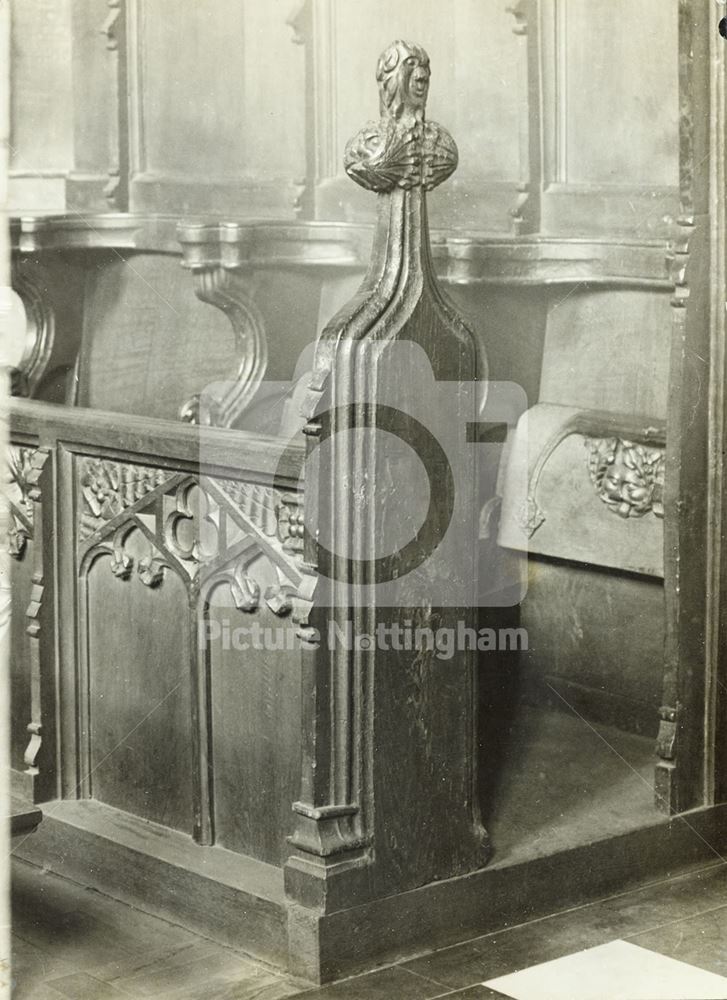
[[220, 118], [616, 109], [139, 696], [216, 107], [717, 564], [597, 636], [127, 668], [481, 108], [95, 121], [511, 329], [291, 303], [41, 140], [99, 179], [610, 116], [608, 350], [173, 344], [256, 725]]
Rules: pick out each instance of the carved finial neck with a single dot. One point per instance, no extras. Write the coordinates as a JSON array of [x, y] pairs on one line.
[[402, 74], [401, 149]]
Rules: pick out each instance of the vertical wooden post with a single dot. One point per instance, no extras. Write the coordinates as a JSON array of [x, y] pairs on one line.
[[716, 703], [388, 798], [694, 505]]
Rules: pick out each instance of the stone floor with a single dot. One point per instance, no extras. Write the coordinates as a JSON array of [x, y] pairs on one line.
[[73, 942], [556, 781]]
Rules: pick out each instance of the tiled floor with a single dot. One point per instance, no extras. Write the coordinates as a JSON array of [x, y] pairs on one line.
[[72, 942], [617, 969]]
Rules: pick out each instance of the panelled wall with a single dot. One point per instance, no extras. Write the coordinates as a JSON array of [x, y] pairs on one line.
[[242, 108], [554, 236]]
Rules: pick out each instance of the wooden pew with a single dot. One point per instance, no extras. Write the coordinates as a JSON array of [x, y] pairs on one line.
[[314, 805], [256, 789]]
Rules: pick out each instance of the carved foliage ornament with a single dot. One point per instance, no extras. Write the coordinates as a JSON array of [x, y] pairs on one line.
[[402, 149], [108, 488], [219, 525], [628, 477], [25, 465]]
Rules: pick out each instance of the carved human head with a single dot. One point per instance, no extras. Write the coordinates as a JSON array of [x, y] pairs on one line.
[[403, 77]]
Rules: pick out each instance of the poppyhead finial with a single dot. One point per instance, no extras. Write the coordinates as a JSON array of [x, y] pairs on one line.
[[402, 149]]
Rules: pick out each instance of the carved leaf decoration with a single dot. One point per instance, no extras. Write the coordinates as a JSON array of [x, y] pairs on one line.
[[245, 591], [280, 599], [17, 537], [384, 155], [108, 488], [121, 564], [151, 570], [389, 154], [259, 504], [628, 477], [19, 473], [440, 155], [20, 486]]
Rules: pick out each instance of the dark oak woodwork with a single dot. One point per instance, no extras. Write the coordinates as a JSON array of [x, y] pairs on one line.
[[376, 748], [292, 800], [314, 759], [133, 685], [690, 771]]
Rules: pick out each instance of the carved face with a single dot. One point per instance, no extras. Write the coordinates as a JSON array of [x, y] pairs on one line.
[[403, 76]]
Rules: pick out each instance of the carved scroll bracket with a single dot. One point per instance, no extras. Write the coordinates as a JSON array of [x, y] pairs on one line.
[[218, 281], [39, 337]]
